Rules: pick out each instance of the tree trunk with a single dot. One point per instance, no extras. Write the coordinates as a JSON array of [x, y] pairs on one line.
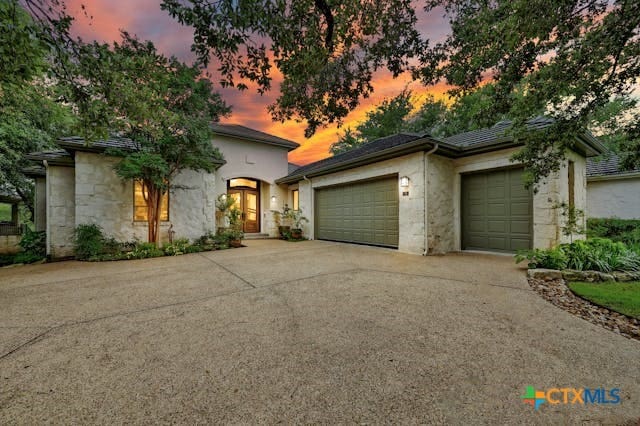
[[154, 197]]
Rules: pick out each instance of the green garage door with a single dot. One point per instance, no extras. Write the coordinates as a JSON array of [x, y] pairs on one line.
[[497, 211], [363, 212]]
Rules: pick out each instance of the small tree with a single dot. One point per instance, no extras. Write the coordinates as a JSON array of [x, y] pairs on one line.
[[164, 106], [573, 220]]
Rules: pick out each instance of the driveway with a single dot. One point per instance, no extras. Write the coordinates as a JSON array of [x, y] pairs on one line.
[[298, 332]]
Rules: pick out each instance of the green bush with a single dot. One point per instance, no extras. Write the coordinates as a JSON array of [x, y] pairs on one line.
[[34, 244], [623, 230], [595, 254], [89, 241], [144, 251], [176, 248]]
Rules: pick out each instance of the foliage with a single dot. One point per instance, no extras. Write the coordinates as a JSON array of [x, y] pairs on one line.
[[31, 116], [234, 215], [620, 297], [596, 254], [298, 219], [88, 241], [573, 220], [178, 247], [144, 251], [623, 230], [164, 106], [34, 243], [566, 63], [326, 51], [224, 203]]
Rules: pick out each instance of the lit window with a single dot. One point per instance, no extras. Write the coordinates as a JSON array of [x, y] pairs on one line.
[[296, 200], [140, 204], [247, 183]]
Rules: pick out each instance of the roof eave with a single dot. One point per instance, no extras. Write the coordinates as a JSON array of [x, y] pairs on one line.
[[290, 146], [616, 176], [374, 157]]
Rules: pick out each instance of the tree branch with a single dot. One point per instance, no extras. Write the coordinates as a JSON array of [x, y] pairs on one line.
[[323, 7]]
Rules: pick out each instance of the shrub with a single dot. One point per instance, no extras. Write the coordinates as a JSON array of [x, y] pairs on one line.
[[176, 248], [145, 250], [89, 241], [34, 244], [623, 230], [595, 254]]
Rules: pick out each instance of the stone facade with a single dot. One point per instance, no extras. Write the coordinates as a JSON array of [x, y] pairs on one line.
[[105, 199], [436, 211], [614, 197], [61, 212], [9, 244], [412, 206]]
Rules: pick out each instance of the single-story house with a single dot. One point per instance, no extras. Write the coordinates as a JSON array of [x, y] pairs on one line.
[[612, 192], [76, 184], [407, 191], [423, 195]]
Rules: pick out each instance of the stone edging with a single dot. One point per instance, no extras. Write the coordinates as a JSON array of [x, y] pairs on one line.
[[553, 289], [587, 276]]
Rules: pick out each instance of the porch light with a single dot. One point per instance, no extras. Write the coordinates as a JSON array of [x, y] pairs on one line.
[[274, 200], [404, 182]]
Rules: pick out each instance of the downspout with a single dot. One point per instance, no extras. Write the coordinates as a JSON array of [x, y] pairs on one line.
[[313, 212], [47, 190], [426, 228]]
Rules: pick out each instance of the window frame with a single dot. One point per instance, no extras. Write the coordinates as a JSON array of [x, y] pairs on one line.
[[136, 182]]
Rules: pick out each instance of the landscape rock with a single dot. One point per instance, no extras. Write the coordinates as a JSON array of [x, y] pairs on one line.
[[623, 276], [556, 292], [545, 274]]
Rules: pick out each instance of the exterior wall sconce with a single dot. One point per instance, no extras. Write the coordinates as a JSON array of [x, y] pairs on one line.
[[404, 182], [274, 201]]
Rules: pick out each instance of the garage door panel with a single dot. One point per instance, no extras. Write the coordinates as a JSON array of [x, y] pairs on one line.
[[496, 211], [368, 213]]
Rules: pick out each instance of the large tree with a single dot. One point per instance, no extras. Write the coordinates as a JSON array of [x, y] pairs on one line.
[[566, 59], [163, 105], [31, 116], [327, 51]]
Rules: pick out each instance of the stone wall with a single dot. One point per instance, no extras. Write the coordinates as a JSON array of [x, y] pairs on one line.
[[614, 198], [61, 211], [9, 244], [440, 214], [105, 199], [412, 206]]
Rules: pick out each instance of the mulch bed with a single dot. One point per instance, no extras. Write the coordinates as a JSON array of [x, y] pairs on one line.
[[556, 292]]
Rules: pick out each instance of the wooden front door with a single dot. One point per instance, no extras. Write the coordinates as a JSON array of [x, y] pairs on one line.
[[248, 201]]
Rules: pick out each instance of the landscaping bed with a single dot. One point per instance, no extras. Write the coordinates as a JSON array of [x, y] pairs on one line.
[[621, 297], [554, 290]]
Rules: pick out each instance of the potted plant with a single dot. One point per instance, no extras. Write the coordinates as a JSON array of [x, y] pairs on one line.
[[298, 219], [235, 237], [224, 204], [283, 220]]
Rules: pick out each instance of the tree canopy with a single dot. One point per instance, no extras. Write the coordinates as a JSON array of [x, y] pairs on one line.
[[163, 105], [326, 51]]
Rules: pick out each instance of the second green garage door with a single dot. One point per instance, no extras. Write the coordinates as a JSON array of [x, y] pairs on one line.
[[361, 212], [497, 211]]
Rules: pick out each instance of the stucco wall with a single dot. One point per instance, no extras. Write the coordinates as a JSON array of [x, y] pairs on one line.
[[614, 198], [60, 211], [412, 206], [105, 199], [255, 160], [440, 213]]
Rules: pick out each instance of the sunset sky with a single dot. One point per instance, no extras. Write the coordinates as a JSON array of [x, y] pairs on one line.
[[145, 19]]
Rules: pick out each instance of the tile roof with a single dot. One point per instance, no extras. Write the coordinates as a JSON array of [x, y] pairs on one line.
[[243, 132], [292, 167], [56, 156], [75, 142], [606, 165], [368, 149], [497, 133]]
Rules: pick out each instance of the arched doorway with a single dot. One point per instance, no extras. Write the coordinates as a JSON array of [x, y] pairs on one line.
[[246, 192]]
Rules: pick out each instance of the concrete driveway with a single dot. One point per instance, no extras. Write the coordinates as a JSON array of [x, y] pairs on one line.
[[298, 332]]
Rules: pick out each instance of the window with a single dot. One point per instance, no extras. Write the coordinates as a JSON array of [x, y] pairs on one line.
[[572, 183], [247, 183], [296, 200], [140, 204]]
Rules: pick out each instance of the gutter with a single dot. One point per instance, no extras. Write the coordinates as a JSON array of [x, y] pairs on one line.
[[618, 176]]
